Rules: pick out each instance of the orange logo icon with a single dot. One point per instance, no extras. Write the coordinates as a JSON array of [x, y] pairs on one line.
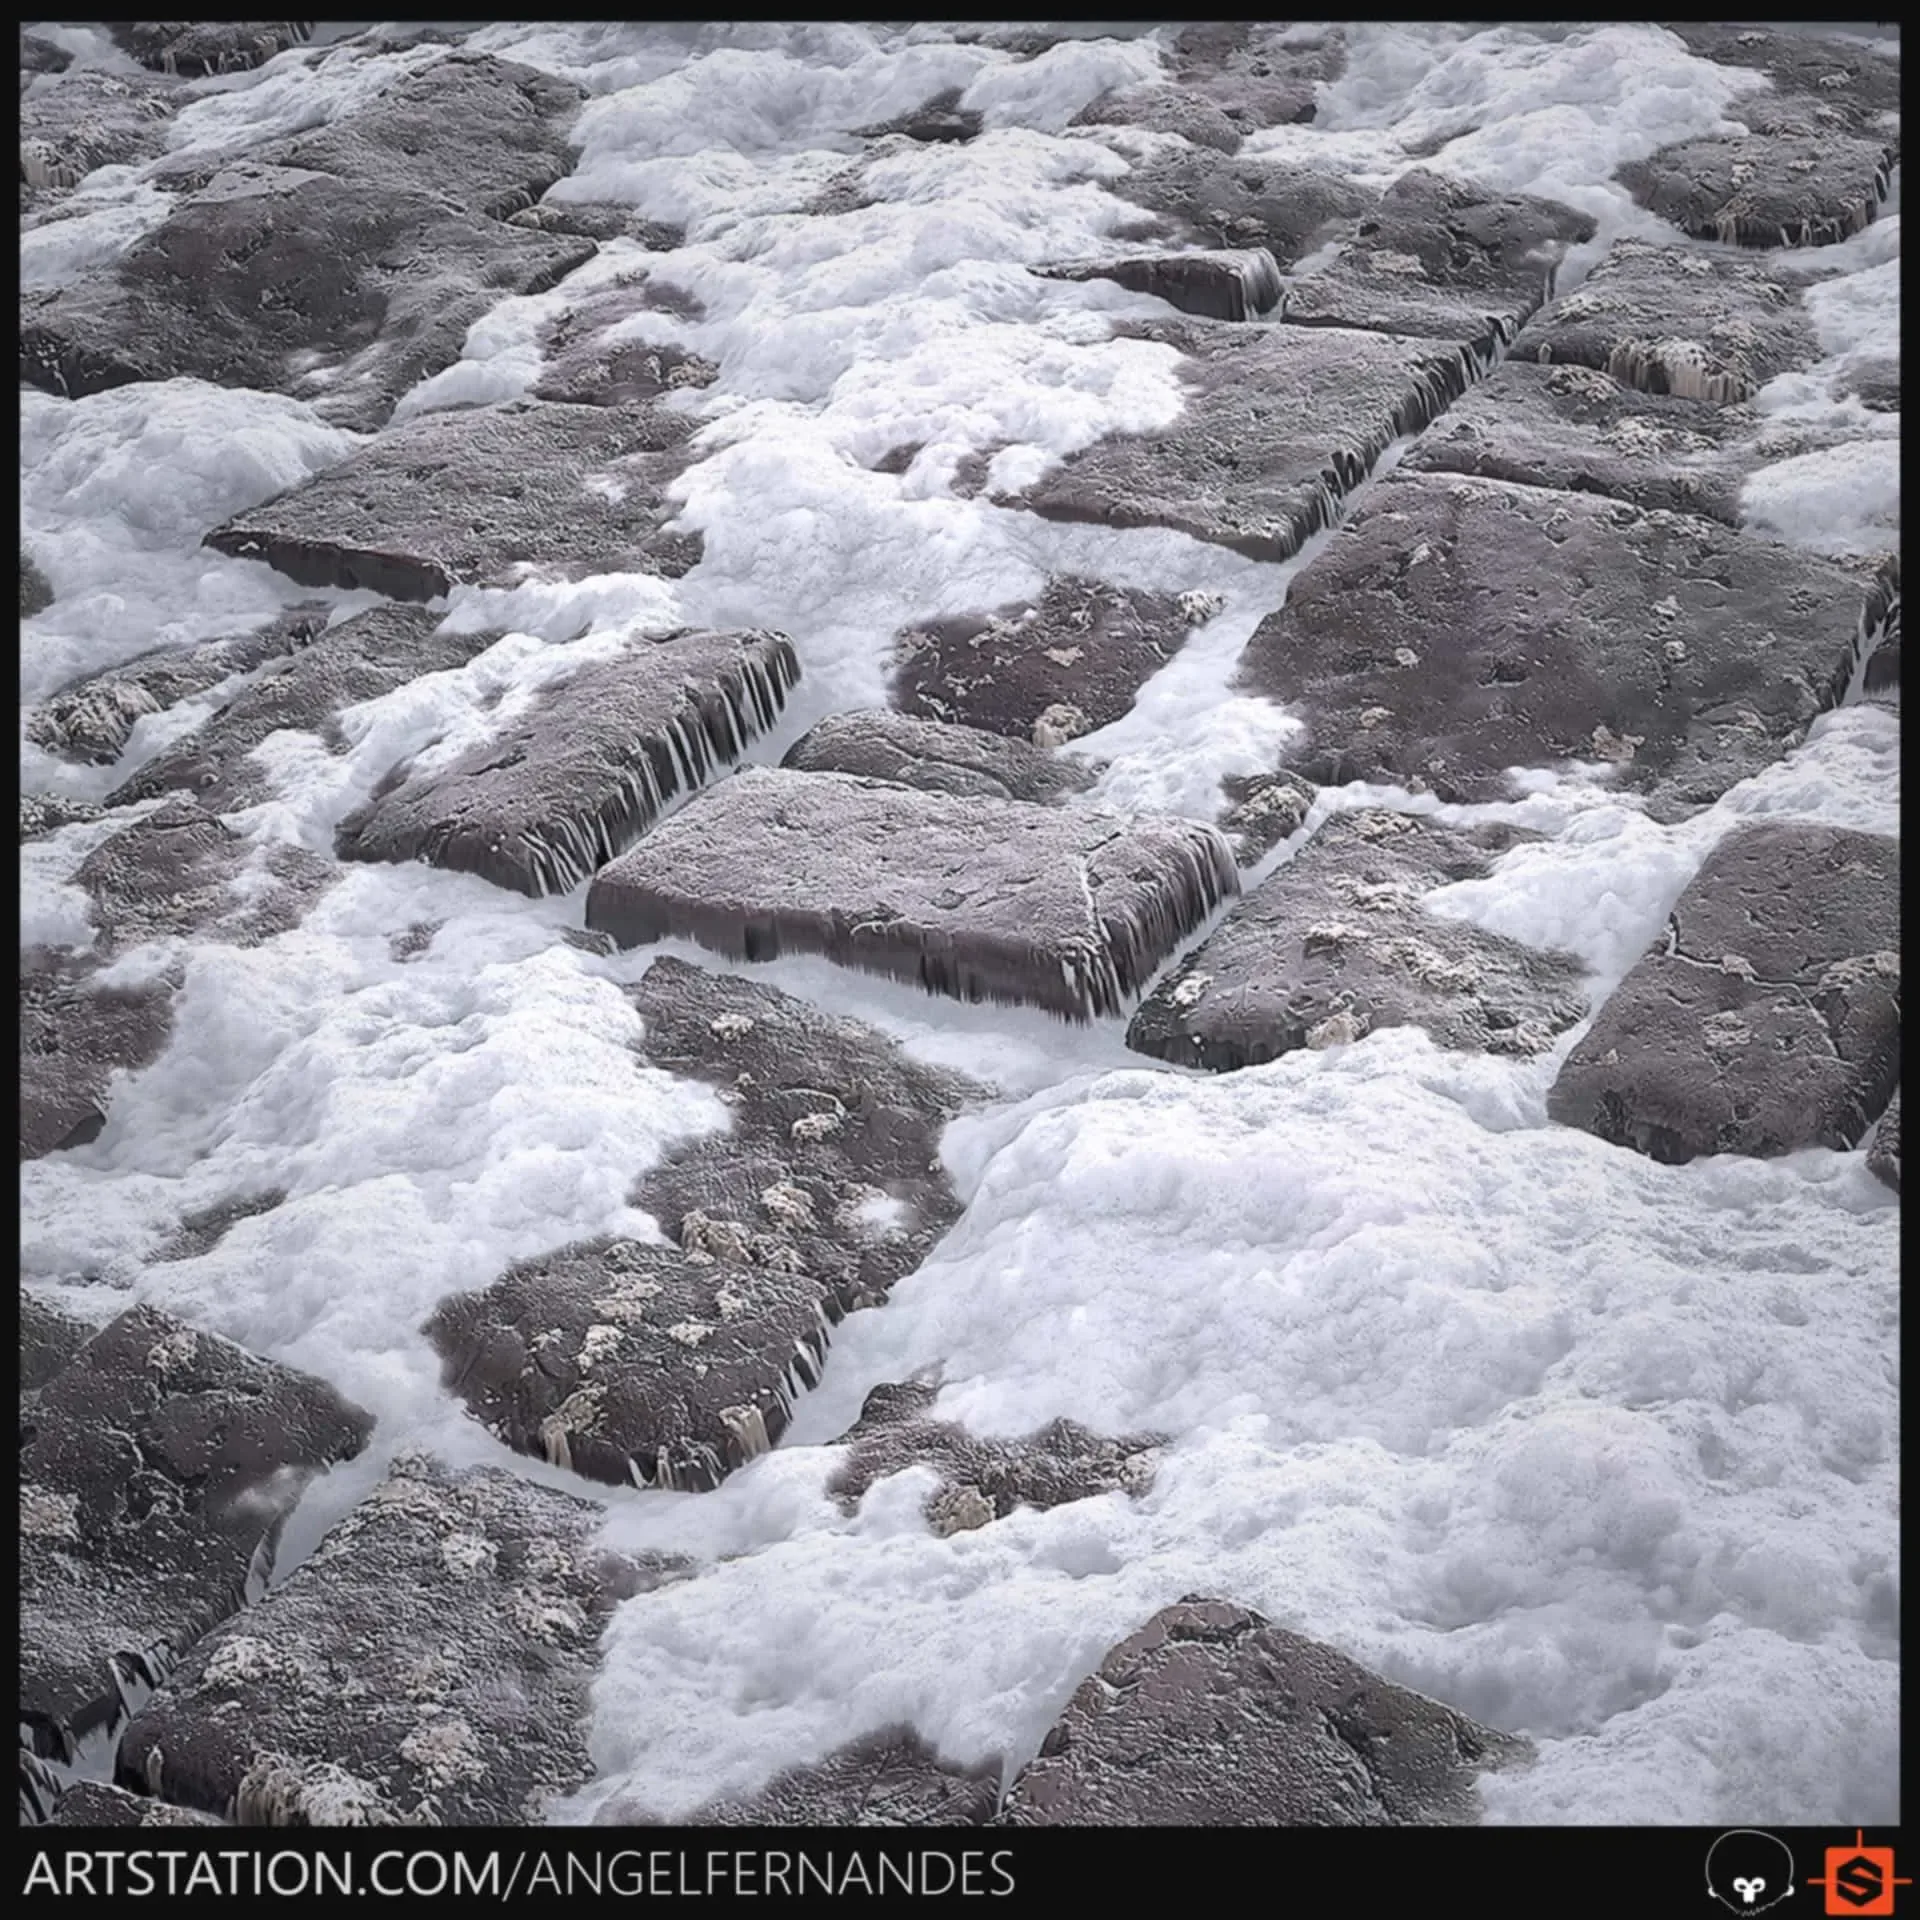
[[1859, 1879]]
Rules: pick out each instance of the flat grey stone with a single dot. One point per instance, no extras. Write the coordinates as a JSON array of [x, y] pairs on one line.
[[1440, 260], [889, 1778], [1883, 1151], [831, 1169], [428, 1665], [1059, 908], [588, 368], [1045, 669], [90, 119], [1707, 326], [91, 719], [194, 51], [1208, 201], [1262, 810], [627, 1362], [1805, 182], [474, 496], [1768, 1017], [982, 1481], [360, 659], [1459, 628], [599, 221], [587, 770], [36, 596], [936, 757], [200, 1231], [940, 119], [1216, 283], [1211, 1716], [1281, 423], [74, 1037], [98, 1803], [157, 1470], [1852, 79], [1336, 944]]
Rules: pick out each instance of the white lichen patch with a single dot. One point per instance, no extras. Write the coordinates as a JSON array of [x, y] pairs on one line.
[[818, 1126], [1724, 1031], [1860, 969], [1527, 1037], [690, 1333], [1616, 747], [791, 1206], [1738, 965], [600, 1342], [1198, 605], [1189, 991], [1337, 1029], [1430, 966], [730, 1026], [49, 1515], [1378, 825], [174, 1351], [1329, 936], [1371, 717], [1405, 657], [1060, 723], [1064, 656], [545, 1616], [467, 1555], [446, 1751], [702, 1238], [431, 1678], [243, 1661], [958, 1510]]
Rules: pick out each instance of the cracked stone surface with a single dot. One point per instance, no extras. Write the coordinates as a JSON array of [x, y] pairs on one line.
[[1337, 944], [1456, 628], [157, 1469], [831, 1168], [632, 1363], [1668, 319], [982, 1481], [299, 269], [1211, 1716], [1766, 1019], [427, 1666], [360, 659], [588, 768], [1855, 81], [938, 758], [1280, 424], [1061, 908], [1203, 200], [1074, 658], [476, 496], [1883, 1153]]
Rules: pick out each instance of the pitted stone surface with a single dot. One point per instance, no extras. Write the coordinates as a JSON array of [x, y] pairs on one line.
[[1856, 81], [1281, 423], [633, 1363], [1456, 629], [581, 776], [831, 1168], [75, 1036], [1337, 944], [97, 1803], [360, 659], [1211, 1716], [92, 718], [1061, 908], [44, 813], [427, 1666], [49, 1338], [890, 1778], [1073, 659], [1707, 326], [157, 1469], [984, 1480], [84, 120], [474, 496], [196, 50], [1261, 810], [1208, 201], [880, 745], [1767, 1018]]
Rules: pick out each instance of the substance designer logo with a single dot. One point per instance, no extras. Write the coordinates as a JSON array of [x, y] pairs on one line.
[[1749, 1872], [1859, 1879]]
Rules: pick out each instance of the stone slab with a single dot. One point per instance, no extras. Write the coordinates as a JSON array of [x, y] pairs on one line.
[[1336, 944], [75, 1037], [1281, 423], [831, 1168], [1457, 629], [584, 773], [880, 745], [1204, 200], [157, 1470], [1854, 80], [588, 364], [940, 120], [86, 120], [1215, 283], [194, 51], [428, 1665], [1211, 1716], [478, 495], [1766, 1019], [1059, 908], [888, 1778]]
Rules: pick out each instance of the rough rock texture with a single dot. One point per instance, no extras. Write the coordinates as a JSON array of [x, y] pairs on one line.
[[1874, 379], [36, 596], [156, 1470], [1883, 1152], [201, 1231], [49, 1339], [427, 1666], [476, 496], [1068, 662], [1855, 81], [632, 1363], [74, 1037], [42, 56], [580, 776], [360, 659], [91, 718], [193, 51], [1281, 423], [1458, 628], [298, 269], [1441, 260], [1337, 944], [831, 1168], [588, 364], [87, 120], [1671, 320], [984, 1480], [1217, 284], [1880, 632], [1768, 1017], [1580, 430], [599, 220], [1805, 182], [889, 1778], [1210, 202], [1227, 79], [43, 813], [1262, 809], [1053, 907], [935, 757], [1210, 1716], [941, 118], [97, 1803]]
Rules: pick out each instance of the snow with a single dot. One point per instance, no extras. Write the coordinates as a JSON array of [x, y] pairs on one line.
[[1599, 1450]]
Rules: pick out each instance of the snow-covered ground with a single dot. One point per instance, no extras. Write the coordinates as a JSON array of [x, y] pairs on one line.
[[1595, 1449]]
